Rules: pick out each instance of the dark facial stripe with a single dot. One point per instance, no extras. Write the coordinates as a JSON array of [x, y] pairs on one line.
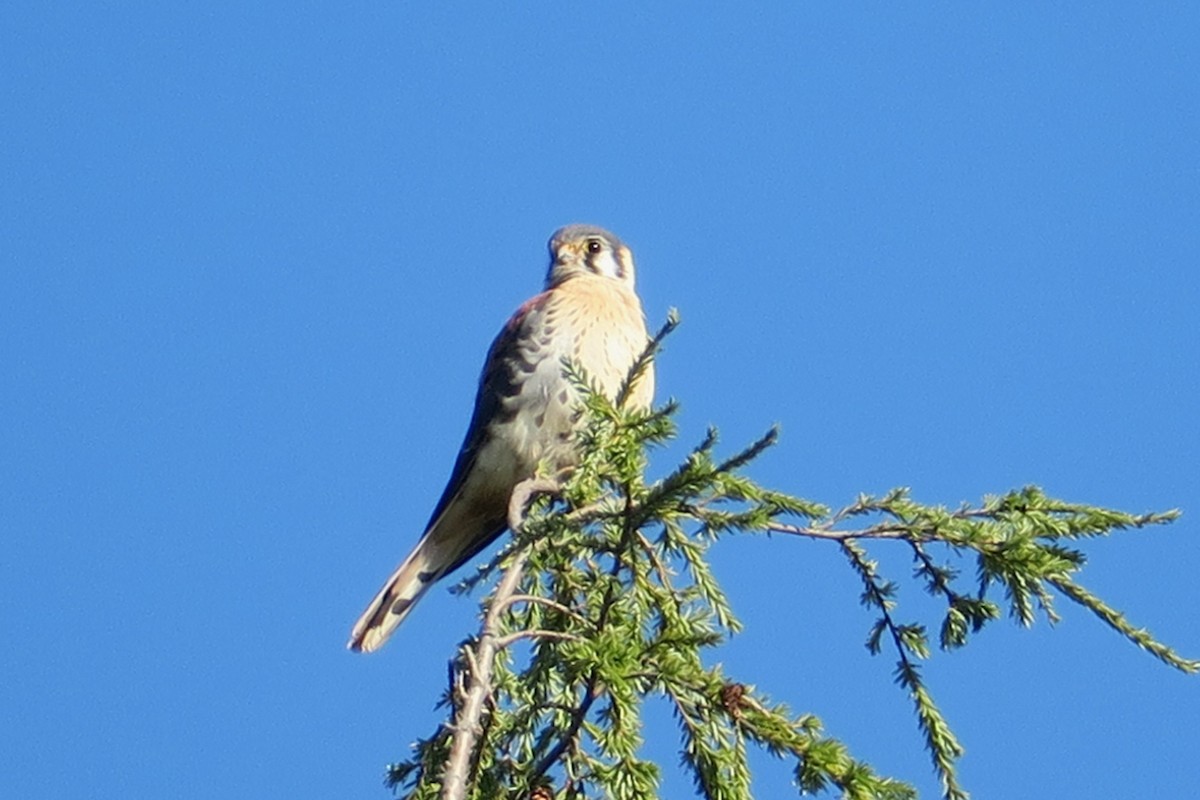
[[589, 260]]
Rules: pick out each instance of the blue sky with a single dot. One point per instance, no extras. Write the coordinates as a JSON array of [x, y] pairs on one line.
[[251, 260]]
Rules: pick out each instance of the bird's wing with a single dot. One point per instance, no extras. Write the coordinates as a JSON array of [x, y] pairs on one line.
[[472, 510], [509, 362]]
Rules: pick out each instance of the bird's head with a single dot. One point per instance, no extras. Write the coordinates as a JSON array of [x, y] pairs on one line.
[[588, 250]]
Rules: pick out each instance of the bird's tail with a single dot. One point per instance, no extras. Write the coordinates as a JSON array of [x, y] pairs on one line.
[[396, 599]]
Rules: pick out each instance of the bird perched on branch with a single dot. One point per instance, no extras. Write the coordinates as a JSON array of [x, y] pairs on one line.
[[525, 410]]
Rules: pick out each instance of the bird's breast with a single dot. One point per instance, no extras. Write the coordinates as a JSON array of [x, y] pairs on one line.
[[596, 324]]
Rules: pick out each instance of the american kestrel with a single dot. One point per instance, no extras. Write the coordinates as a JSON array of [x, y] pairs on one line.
[[525, 410]]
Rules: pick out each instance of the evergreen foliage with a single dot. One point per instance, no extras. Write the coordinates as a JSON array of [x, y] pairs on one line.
[[608, 599]]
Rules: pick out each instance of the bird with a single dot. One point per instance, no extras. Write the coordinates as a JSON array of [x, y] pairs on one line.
[[526, 411]]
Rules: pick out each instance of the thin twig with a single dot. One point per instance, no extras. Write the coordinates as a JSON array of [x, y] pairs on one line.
[[546, 601], [873, 532], [505, 641], [664, 575], [936, 577], [577, 718]]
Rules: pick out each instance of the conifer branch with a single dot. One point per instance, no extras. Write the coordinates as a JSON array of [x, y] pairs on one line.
[[909, 640], [1117, 621], [646, 358], [597, 608], [467, 722]]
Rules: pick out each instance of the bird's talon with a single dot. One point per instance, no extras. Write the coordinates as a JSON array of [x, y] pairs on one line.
[[523, 493]]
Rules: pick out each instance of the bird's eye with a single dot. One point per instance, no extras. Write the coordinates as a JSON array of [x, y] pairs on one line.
[[594, 246]]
